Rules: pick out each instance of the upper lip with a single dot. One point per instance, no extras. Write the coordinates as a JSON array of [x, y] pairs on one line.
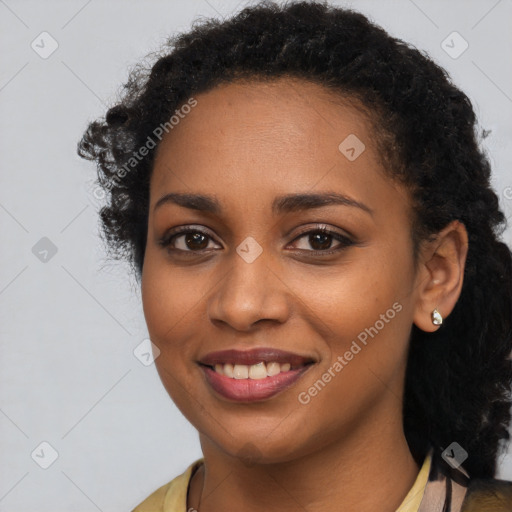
[[254, 356]]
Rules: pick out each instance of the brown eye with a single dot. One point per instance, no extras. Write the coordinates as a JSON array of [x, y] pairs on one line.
[[186, 240], [321, 239], [195, 241]]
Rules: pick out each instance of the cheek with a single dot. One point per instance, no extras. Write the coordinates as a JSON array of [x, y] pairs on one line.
[[354, 296], [363, 312], [365, 322], [170, 301], [169, 304]]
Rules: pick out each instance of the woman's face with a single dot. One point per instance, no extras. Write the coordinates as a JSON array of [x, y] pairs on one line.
[[254, 273]]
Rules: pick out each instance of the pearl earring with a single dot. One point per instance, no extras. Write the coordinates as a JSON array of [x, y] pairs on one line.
[[437, 319]]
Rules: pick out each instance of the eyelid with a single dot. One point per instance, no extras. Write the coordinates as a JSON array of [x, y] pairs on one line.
[[345, 239], [168, 235], [325, 228]]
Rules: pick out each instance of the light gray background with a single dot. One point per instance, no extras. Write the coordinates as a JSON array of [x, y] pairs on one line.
[[68, 326]]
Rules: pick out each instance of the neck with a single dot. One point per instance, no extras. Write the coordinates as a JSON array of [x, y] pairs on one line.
[[364, 472]]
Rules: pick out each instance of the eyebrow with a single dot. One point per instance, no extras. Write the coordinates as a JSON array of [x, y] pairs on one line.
[[280, 205]]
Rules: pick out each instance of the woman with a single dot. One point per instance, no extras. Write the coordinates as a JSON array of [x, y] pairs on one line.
[[311, 218]]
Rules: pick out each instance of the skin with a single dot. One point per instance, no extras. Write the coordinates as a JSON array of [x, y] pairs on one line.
[[247, 143]]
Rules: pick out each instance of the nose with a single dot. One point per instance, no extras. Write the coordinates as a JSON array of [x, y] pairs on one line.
[[249, 293]]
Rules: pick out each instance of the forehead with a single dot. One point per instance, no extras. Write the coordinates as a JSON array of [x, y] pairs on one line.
[[270, 106], [249, 141], [280, 121]]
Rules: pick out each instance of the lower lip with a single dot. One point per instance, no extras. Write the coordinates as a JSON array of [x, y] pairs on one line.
[[251, 390]]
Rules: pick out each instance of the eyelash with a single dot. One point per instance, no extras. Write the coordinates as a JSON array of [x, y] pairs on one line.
[[346, 242]]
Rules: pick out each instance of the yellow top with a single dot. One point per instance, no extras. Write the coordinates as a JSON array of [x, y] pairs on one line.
[[172, 497], [411, 502]]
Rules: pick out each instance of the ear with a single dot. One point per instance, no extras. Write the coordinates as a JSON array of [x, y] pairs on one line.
[[440, 274]]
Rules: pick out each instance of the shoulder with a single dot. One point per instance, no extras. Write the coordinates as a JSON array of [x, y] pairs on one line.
[[171, 497], [488, 495]]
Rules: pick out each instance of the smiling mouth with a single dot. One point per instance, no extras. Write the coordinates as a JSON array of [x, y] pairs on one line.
[[256, 371], [253, 375]]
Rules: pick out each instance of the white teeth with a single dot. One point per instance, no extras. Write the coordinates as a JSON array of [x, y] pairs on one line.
[[255, 371], [258, 371], [273, 368], [228, 370], [240, 371]]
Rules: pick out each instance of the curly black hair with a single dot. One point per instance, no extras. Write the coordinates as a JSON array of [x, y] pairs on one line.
[[458, 378]]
